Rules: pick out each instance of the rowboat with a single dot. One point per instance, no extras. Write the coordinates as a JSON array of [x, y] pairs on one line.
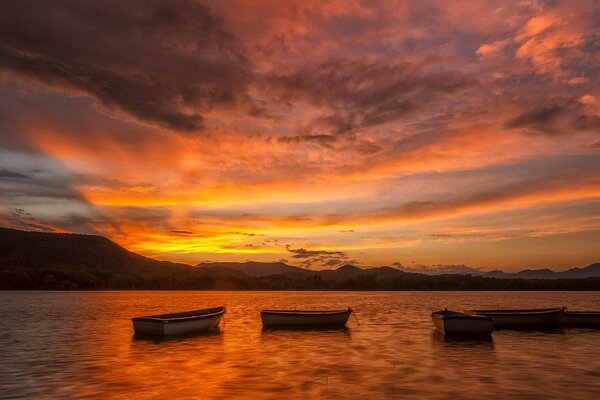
[[461, 324], [305, 318], [581, 319], [525, 318], [178, 323]]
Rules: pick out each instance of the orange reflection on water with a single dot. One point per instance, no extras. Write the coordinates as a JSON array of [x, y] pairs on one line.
[[81, 344]]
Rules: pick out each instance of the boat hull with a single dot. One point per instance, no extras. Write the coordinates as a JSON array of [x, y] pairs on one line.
[[547, 318], [459, 324], [304, 319], [178, 323], [581, 319], [165, 328]]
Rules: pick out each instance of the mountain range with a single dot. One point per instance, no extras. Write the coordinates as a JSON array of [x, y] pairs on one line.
[[36, 260], [262, 269], [545, 273]]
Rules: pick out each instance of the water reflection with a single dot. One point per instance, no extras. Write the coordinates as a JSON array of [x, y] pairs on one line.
[[81, 345], [305, 329], [467, 340], [183, 336], [279, 339]]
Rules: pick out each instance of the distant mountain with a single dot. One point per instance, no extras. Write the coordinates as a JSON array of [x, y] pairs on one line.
[[345, 271], [86, 252], [590, 271], [254, 268], [39, 260], [587, 272], [50, 261]]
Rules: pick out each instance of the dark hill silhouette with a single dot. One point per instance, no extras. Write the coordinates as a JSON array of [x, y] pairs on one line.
[[592, 270], [40, 250], [589, 271], [254, 268], [38, 260], [35, 260], [343, 272]]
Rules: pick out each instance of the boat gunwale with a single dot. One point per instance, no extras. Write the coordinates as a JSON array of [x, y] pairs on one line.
[[162, 317], [518, 312], [567, 313], [306, 312], [436, 314]]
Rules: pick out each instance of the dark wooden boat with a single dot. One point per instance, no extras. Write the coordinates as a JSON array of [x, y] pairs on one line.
[[456, 323], [581, 319], [305, 318], [525, 318], [178, 323]]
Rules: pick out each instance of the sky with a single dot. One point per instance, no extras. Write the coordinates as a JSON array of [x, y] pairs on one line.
[[433, 135]]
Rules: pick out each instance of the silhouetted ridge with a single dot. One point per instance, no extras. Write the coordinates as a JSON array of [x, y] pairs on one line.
[[40, 249], [255, 268], [349, 268], [592, 270]]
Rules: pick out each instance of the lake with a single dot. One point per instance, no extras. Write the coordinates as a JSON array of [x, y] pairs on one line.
[[81, 345]]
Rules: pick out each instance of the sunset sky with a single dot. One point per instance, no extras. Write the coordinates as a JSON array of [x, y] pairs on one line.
[[433, 134]]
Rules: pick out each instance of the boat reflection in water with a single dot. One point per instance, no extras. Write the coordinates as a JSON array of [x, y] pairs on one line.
[[467, 340], [144, 337]]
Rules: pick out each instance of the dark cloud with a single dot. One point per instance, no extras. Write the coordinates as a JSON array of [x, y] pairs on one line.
[[19, 212], [5, 173], [360, 94], [39, 194], [320, 258], [182, 232], [23, 219], [164, 64], [323, 140], [303, 253], [244, 233], [559, 117], [42, 188], [20, 222], [339, 142]]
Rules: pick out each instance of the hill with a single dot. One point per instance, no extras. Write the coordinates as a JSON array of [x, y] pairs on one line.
[[254, 268], [39, 260], [592, 270], [88, 252]]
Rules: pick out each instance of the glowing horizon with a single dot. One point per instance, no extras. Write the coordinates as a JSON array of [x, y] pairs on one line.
[[446, 133]]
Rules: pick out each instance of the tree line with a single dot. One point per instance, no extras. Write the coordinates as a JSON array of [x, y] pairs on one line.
[[72, 278]]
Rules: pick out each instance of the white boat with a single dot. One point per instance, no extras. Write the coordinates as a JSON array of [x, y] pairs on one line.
[[178, 323], [461, 324], [581, 319], [525, 318], [305, 318]]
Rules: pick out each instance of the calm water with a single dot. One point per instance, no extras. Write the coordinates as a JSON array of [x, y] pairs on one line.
[[81, 345]]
